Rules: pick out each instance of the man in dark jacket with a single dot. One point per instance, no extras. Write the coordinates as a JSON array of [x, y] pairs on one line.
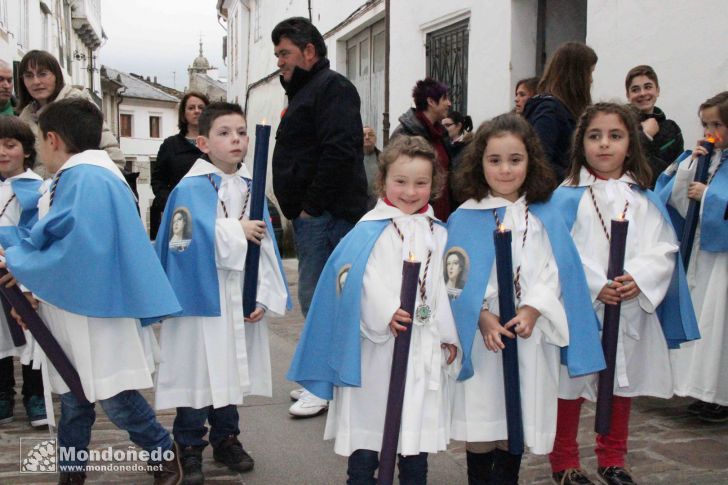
[[432, 105], [318, 169]]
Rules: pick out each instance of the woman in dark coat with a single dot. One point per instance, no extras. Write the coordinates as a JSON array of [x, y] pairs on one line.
[[176, 155], [563, 93]]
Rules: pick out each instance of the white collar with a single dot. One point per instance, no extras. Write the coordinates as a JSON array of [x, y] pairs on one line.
[[28, 174], [586, 178], [203, 167], [98, 158], [383, 211], [490, 202]]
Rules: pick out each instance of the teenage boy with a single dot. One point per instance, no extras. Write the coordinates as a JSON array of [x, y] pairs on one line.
[[94, 275]]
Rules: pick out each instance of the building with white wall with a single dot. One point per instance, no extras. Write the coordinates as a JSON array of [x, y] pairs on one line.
[[69, 29], [481, 48], [141, 115]]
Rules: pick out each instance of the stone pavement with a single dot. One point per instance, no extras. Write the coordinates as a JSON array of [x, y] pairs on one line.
[[667, 445]]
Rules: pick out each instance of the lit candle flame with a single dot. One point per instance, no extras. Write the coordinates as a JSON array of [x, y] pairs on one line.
[[621, 216], [711, 138], [264, 122], [502, 228], [411, 257]]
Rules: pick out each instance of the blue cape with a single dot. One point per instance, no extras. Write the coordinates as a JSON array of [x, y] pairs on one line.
[[584, 354], [713, 227], [193, 272], [329, 351], [90, 254], [27, 193], [676, 313]]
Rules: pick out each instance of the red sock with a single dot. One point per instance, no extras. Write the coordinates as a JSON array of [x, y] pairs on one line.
[[612, 448], [566, 450]]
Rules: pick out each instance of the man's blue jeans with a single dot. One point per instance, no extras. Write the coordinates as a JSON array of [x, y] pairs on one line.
[[316, 238], [128, 410], [189, 425]]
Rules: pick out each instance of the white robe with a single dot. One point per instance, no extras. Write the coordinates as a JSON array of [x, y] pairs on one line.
[[111, 355], [356, 414], [699, 367], [11, 217], [219, 360], [479, 410], [643, 363]]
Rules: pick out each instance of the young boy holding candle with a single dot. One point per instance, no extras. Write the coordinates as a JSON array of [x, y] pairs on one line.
[[345, 351], [699, 367], [506, 180], [89, 264], [19, 193], [212, 355], [608, 180]]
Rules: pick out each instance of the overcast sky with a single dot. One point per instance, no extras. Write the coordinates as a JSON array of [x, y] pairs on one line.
[[159, 37]]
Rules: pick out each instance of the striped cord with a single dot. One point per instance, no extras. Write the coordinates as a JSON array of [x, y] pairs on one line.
[[599, 213], [517, 277], [224, 209], [423, 281]]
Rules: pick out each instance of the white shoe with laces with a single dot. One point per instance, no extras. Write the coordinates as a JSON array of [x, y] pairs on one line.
[[296, 393], [308, 406]]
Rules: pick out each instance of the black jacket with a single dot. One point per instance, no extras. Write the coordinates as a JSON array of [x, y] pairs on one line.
[[318, 157], [554, 125], [667, 144], [175, 158]]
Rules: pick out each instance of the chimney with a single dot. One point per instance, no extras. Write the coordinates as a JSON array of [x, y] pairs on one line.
[[155, 79]]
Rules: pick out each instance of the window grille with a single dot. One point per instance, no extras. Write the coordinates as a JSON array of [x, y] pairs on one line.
[[447, 61]]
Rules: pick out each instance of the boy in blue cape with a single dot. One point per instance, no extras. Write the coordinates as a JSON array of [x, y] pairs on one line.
[[213, 356], [105, 278], [19, 193]]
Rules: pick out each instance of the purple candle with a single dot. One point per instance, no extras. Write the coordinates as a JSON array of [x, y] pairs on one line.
[[693, 213], [507, 307], [398, 376], [610, 329], [16, 333], [45, 339], [257, 201]]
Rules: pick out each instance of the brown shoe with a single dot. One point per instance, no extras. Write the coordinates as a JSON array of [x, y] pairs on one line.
[[72, 478], [171, 472]]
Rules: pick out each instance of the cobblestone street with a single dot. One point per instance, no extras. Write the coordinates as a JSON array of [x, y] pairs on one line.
[[667, 445]]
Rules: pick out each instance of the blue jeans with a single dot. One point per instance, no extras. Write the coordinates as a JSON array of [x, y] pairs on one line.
[[316, 238], [363, 464], [189, 425], [128, 410]]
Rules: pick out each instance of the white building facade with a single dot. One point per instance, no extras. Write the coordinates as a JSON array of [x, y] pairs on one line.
[[141, 116], [69, 29], [481, 48]]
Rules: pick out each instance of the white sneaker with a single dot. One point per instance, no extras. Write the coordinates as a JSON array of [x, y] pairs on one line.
[[308, 406], [296, 393]]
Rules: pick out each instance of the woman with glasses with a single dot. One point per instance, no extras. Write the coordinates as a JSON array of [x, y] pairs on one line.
[[460, 133], [42, 83]]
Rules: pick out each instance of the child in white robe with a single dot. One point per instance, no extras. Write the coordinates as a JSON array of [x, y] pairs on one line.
[[89, 263], [608, 180], [699, 367], [401, 224], [507, 172], [212, 355], [17, 157]]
